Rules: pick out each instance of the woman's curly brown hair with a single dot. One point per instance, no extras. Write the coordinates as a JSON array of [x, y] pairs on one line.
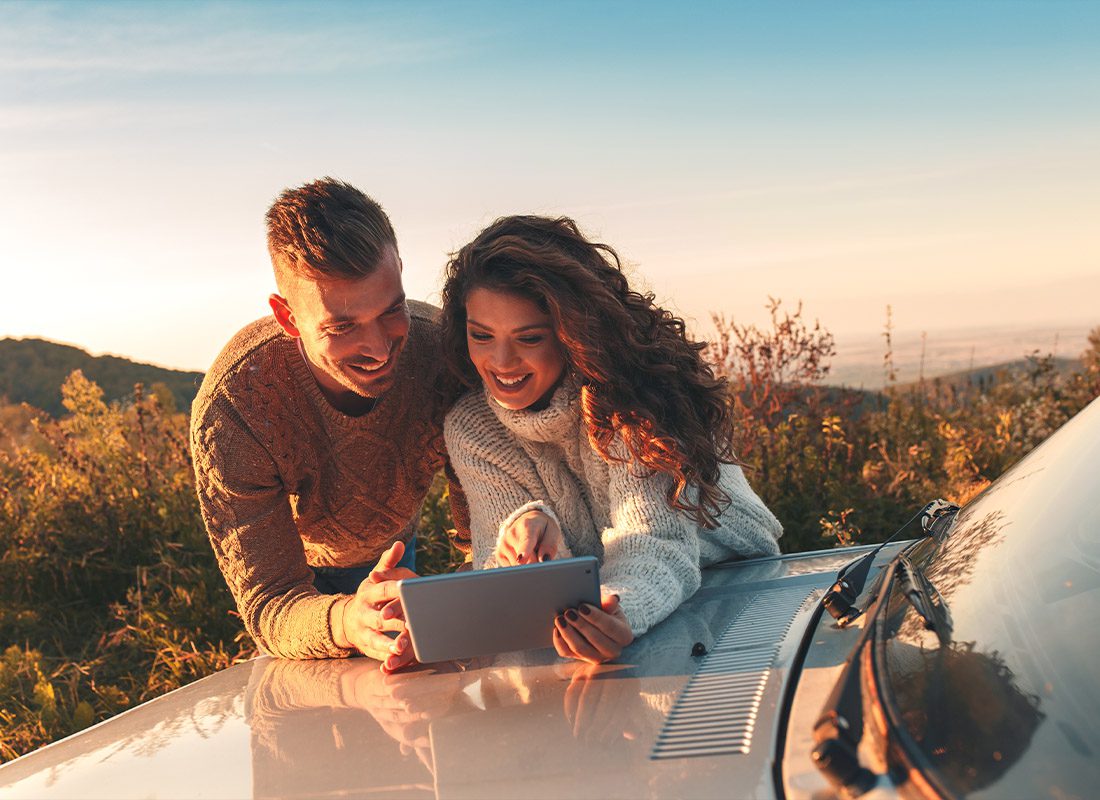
[[642, 379]]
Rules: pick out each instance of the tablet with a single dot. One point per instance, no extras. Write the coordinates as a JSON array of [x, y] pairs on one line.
[[483, 612]]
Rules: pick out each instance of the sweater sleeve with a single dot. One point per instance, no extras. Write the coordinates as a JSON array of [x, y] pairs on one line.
[[651, 551], [495, 476], [749, 529], [259, 550]]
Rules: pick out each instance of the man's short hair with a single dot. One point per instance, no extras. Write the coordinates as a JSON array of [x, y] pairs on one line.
[[327, 229]]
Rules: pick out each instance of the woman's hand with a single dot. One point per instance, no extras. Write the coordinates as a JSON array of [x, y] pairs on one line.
[[532, 537], [593, 634]]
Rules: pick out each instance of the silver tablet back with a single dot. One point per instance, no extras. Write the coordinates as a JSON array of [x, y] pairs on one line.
[[466, 614]]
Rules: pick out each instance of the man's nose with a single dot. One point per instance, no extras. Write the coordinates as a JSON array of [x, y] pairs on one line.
[[374, 343]]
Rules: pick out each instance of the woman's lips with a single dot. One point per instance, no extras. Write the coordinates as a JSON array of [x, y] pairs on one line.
[[515, 383]]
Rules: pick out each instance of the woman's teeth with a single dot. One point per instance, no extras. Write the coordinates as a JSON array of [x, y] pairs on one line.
[[511, 381]]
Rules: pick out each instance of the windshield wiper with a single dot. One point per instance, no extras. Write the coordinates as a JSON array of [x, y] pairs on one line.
[[839, 728], [840, 600], [925, 599]]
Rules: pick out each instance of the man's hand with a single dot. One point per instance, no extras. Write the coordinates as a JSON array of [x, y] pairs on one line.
[[593, 634], [362, 620], [404, 705], [533, 536]]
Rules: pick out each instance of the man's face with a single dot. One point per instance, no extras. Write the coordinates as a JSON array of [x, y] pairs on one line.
[[351, 330]]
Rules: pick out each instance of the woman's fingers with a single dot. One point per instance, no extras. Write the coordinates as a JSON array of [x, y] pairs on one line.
[[560, 646], [604, 644], [506, 555], [612, 625], [577, 643]]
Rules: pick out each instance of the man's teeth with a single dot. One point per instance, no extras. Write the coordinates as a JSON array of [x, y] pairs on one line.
[[374, 367]]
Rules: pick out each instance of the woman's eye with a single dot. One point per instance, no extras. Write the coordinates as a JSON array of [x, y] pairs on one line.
[[478, 336], [531, 339]]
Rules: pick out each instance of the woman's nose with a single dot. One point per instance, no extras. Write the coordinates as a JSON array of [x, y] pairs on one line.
[[504, 355]]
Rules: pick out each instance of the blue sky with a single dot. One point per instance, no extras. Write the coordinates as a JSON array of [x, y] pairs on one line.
[[941, 157]]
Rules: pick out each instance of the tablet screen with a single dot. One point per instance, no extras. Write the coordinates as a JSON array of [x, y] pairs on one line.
[[483, 612]]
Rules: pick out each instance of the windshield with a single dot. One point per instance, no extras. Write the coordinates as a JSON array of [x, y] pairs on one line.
[[1008, 703]]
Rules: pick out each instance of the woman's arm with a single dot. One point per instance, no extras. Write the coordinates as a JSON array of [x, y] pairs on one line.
[[499, 480], [651, 551]]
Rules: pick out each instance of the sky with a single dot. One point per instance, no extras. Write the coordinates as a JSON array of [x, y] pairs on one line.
[[939, 157]]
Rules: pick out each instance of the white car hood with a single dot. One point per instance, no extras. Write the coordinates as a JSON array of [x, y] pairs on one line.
[[690, 710]]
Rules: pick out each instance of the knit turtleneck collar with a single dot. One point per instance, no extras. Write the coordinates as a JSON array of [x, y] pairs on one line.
[[554, 423]]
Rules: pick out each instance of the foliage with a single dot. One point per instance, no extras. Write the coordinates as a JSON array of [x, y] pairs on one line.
[[845, 467], [110, 595], [435, 550]]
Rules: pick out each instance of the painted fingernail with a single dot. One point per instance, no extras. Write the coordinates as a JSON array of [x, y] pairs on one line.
[[585, 609], [571, 615], [560, 620], [544, 557]]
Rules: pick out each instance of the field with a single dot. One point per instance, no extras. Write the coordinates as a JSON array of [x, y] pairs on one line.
[[109, 594]]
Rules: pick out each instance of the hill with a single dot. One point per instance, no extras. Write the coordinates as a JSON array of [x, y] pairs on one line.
[[32, 371], [992, 374]]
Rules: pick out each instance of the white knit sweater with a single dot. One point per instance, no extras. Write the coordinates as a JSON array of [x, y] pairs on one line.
[[650, 554]]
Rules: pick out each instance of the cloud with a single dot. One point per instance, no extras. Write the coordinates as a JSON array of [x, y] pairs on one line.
[[84, 41]]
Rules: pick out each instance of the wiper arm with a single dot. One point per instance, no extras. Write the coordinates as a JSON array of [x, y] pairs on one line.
[[840, 600], [839, 728], [925, 599]]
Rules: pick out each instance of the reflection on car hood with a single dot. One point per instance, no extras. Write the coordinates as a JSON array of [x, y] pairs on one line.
[[689, 710]]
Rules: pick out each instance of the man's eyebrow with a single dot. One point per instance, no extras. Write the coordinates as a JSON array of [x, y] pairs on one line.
[[536, 326], [338, 319]]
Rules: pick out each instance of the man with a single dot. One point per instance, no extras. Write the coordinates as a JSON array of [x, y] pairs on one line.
[[317, 432]]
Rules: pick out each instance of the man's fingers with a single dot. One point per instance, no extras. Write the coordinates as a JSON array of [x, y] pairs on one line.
[[394, 662], [391, 558], [393, 574], [378, 594], [373, 644], [392, 610]]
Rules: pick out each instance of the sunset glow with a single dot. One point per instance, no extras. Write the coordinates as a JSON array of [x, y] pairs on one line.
[[940, 157]]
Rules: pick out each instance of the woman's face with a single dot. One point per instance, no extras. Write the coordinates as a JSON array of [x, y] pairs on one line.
[[514, 348]]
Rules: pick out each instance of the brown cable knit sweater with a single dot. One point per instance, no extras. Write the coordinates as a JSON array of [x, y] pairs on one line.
[[285, 481]]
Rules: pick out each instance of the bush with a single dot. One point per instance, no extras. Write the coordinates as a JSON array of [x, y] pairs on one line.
[[106, 568], [110, 594]]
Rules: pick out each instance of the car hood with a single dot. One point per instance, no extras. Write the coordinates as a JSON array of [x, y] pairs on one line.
[[690, 709]]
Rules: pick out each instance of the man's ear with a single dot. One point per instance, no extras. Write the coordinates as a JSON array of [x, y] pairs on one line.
[[283, 315]]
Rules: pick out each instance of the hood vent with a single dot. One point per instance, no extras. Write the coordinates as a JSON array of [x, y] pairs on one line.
[[716, 712]]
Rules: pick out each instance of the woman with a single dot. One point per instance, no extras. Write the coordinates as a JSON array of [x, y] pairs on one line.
[[594, 428]]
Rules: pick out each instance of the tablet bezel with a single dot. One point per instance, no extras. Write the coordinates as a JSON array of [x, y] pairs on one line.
[[485, 612]]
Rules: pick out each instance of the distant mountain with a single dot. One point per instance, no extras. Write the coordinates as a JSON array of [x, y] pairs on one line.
[[948, 353], [995, 373], [32, 371]]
